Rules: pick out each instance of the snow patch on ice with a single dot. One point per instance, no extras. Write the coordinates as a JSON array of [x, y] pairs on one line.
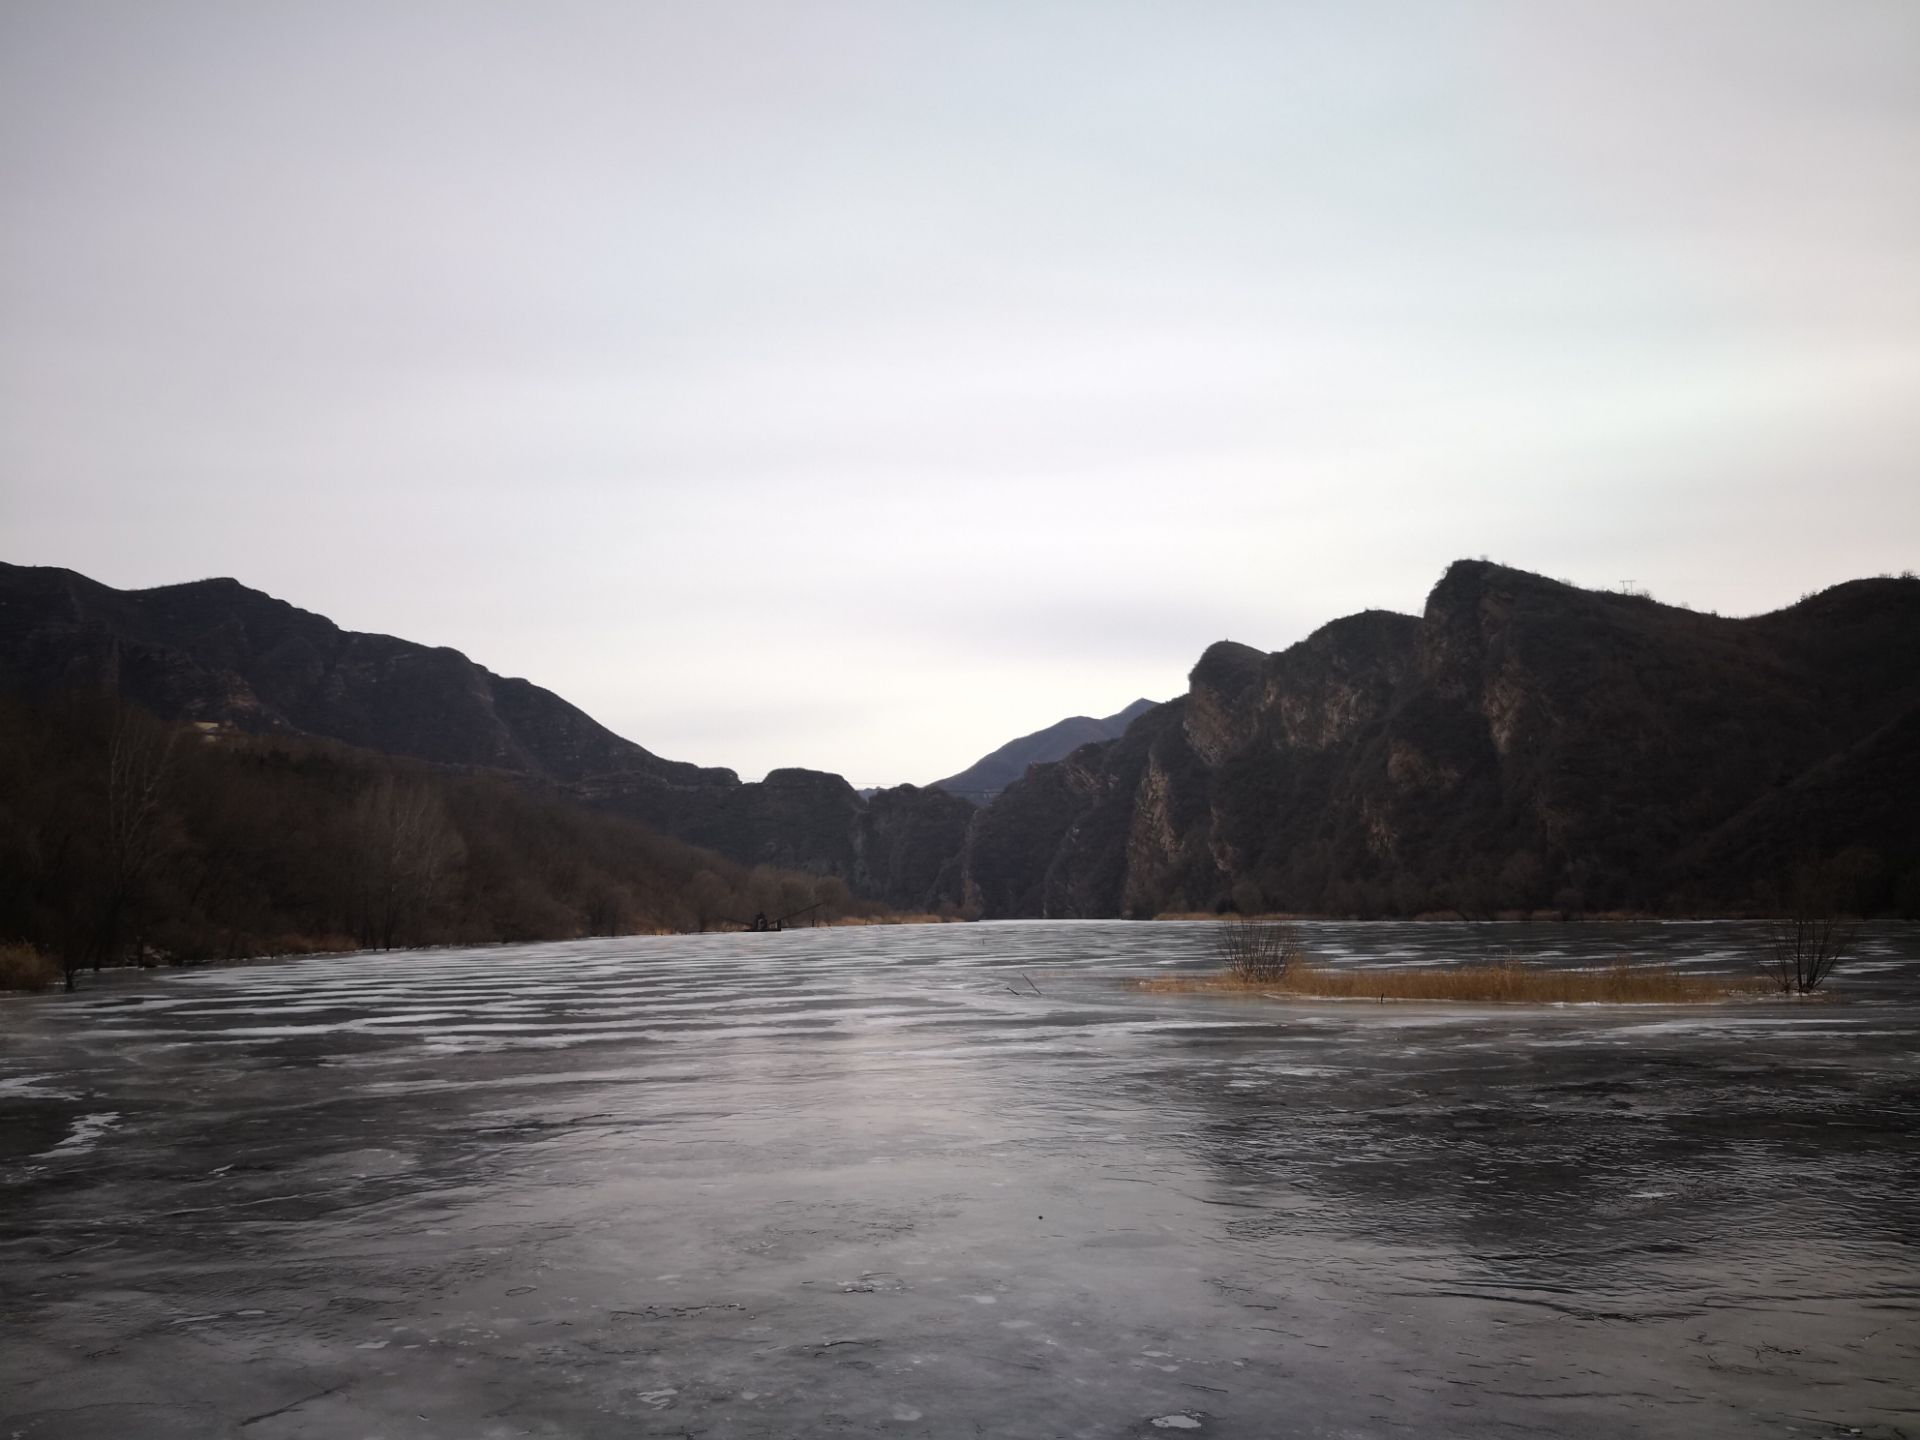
[[86, 1130], [34, 1086]]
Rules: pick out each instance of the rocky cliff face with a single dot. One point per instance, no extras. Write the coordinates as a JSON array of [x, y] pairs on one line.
[[1522, 744], [218, 652], [912, 843], [901, 845]]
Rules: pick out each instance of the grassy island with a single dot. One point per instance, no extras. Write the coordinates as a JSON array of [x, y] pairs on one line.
[[1266, 957], [1621, 983]]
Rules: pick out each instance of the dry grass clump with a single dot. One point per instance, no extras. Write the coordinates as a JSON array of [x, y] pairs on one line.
[[311, 945], [1621, 983], [24, 968]]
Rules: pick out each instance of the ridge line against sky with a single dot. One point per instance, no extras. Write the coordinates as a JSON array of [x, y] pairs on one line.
[[860, 386]]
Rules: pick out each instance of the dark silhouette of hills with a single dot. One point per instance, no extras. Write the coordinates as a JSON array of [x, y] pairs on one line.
[[222, 654], [1523, 744], [120, 841], [218, 652], [992, 773], [902, 845]]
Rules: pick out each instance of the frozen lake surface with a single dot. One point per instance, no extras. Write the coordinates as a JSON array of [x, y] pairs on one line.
[[848, 1182]]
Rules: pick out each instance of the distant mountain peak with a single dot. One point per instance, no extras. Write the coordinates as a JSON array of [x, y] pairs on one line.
[[992, 773]]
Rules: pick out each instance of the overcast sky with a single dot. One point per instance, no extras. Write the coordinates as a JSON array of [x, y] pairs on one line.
[[861, 385]]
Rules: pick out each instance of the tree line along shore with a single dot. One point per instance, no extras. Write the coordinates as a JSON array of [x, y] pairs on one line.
[[126, 840]]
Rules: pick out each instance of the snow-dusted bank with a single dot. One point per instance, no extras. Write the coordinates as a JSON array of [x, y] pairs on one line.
[[940, 1180]]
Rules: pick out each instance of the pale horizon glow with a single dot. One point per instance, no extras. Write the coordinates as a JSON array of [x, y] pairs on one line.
[[859, 386]]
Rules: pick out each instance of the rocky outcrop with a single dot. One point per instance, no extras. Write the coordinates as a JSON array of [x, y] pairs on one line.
[[1521, 744], [912, 843], [1013, 845]]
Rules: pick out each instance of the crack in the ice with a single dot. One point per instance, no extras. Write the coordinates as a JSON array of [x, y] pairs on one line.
[[294, 1404]]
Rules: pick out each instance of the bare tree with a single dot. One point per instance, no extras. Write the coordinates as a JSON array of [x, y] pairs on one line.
[[833, 897], [1804, 949], [1260, 952], [134, 839], [796, 899], [707, 895], [407, 851], [608, 906]]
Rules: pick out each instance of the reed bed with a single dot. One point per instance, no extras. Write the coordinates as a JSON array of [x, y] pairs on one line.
[[24, 968], [1621, 983]]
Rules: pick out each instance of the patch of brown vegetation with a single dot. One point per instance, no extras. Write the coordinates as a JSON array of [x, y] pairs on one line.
[[24, 968], [1621, 983]]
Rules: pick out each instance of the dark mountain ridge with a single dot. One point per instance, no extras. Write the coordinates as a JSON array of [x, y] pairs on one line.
[[992, 773], [218, 652], [1522, 744], [222, 654]]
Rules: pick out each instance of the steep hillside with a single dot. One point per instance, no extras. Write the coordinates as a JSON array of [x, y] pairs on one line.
[[901, 845], [121, 839], [1522, 744], [218, 652], [991, 774]]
